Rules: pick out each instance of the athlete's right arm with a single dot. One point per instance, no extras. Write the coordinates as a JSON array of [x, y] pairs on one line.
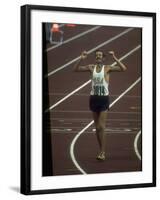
[[85, 68]]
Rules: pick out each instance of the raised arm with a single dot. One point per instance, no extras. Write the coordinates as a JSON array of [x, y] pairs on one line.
[[119, 67], [85, 68]]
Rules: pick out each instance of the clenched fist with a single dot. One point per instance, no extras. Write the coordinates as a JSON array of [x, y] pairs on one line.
[[111, 53], [84, 55]]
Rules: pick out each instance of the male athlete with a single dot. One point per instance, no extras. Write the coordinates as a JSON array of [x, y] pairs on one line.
[[99, 95]]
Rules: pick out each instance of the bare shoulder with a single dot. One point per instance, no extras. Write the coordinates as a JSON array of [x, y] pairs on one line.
[[107, 68]]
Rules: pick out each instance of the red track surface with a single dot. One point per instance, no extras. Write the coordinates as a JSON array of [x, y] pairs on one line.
[[69, 117]]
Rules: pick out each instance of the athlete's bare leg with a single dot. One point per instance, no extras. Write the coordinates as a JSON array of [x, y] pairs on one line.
[[96, 119], [102, 125], [100, 119], [102, 135]]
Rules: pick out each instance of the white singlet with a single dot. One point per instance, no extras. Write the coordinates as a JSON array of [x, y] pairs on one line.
[[99, 84]]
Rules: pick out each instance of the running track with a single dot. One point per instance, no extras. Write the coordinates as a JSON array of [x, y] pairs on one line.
[[72, 133]]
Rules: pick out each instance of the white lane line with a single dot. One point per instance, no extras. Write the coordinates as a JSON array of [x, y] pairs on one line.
[[136, 145], [66, 97], [86, 127], [90, 51], [137, 81], [86, 83], [73, 38], [88, 111], [124, 128], [113, 132], [72, 148], [81, 119], [86, 94]]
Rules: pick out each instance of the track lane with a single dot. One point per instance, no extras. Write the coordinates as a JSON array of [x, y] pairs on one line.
[[70, 32], [61, 161], [121, 155], [68, 52], [86, 147], [79, 78], [67, 40]]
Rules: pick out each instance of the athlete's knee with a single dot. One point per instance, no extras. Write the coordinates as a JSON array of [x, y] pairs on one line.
[[100, 127]]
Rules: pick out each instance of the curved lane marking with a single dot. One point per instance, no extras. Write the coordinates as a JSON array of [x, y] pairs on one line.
[[86, 127], [136, 145]]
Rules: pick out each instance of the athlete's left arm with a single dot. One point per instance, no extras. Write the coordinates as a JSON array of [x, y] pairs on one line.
[[119, 67]]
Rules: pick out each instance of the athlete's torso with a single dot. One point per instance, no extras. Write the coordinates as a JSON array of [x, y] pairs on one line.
[[100, 81]]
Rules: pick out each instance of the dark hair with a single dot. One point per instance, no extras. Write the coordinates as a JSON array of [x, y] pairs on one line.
[[99, 50]]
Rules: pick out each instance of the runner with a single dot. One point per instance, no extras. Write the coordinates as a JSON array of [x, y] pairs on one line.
[[99, 95]]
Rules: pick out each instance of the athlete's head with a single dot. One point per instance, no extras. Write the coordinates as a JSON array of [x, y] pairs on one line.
[[99, 56]]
